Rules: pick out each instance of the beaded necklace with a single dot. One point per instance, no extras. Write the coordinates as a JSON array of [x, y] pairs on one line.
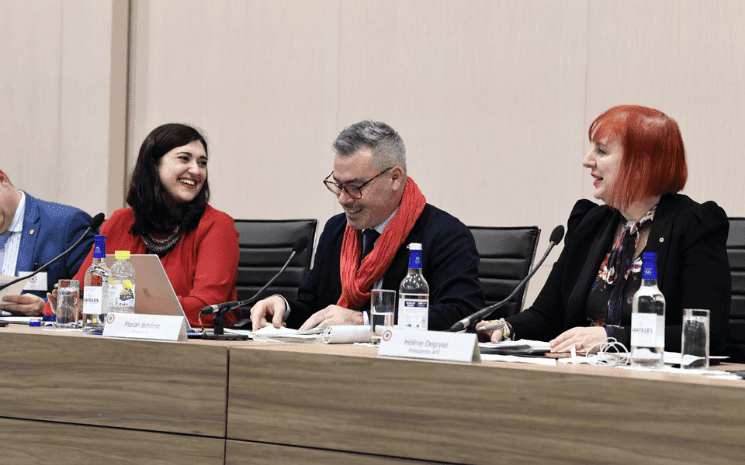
[[162, 246]]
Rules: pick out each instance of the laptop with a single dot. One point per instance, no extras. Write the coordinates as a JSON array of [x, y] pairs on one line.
[[154, 294]]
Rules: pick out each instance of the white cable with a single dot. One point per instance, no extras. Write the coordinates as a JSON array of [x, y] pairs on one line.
[[611, 353]]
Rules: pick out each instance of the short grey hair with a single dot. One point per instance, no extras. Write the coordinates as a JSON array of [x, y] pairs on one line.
[[387, 146]]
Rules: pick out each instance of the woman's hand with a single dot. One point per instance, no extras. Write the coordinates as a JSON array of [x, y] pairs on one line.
[[582, 339], [489, 336]]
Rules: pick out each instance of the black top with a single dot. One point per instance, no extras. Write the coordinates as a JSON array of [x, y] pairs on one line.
[[692, 270]]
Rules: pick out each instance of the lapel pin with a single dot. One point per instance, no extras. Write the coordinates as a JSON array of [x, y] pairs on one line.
[[662, 239], [31, 232]]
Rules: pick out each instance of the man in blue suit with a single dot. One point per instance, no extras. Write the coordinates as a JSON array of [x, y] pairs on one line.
[[33, 232]]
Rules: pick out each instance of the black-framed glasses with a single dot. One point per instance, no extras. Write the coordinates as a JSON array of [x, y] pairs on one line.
[[352, 190]]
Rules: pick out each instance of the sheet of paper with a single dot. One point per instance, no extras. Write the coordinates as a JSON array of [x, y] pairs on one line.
[[15, 289], [516, 359], [539, 345], [272, 334]]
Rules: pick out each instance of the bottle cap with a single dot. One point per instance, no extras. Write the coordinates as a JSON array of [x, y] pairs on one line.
[[415, 246], [122, 254]]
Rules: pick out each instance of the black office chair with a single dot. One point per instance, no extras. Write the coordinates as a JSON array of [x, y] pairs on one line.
[[265, 245], [735, 341], [506, 256]]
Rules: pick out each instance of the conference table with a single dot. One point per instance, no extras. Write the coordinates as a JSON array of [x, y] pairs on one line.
[[74, 398]]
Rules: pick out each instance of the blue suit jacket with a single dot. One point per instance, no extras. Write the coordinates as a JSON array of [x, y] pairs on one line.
[[449, 264], [48, 230]]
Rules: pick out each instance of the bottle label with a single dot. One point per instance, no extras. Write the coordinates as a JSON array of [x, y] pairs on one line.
[[413, 311], [647, 330], [415, 259], [122, 294], [649, 270], [92, 300], [99, 249]]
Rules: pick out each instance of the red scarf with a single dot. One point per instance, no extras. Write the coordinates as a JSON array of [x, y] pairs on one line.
[[356, 280]]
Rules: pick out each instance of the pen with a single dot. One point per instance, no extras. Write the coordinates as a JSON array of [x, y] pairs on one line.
[[491, 327]]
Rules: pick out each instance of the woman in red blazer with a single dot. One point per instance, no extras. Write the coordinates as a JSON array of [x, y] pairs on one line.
[[168, 215]]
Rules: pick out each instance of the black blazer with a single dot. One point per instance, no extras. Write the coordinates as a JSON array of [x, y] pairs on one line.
[[692, 270], [449, 264]]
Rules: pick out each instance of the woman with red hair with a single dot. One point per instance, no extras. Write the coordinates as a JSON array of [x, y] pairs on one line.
[[638, 166]]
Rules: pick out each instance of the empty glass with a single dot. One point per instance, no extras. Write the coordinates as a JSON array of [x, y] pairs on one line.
[[382, 308], [695, 339]]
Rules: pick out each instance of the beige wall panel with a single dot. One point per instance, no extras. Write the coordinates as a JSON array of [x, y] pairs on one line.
[[55, 92], [30, 34], [260, 78], [488, 96], [688, 60], [34, 442], [84, 107]]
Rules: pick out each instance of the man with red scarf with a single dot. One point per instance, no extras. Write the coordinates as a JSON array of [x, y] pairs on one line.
[[384, 211]]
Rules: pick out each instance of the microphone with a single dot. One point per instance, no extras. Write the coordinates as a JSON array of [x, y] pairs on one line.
[[219, 309], [556, 236], [94, 224]]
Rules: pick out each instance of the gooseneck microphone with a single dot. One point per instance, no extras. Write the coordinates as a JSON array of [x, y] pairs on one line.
[[219, 309], [94, 224], [556, 236]]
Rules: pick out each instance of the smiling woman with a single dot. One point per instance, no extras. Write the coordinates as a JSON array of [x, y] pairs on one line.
[[637, 166], [169, 216]]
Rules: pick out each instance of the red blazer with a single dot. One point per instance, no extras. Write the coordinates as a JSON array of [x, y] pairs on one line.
[[203, 267]]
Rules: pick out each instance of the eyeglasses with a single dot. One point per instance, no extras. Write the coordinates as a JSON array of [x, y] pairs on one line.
[[353, 191]]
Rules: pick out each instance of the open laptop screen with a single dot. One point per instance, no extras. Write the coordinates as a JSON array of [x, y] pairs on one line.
[[154, 294]]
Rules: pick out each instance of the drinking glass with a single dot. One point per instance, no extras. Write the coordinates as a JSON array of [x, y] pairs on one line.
[[382, 308], [68, 293], [695, 339]]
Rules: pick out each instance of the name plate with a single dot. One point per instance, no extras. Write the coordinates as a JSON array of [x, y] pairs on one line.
[[37, 282], [431, 345], [135, 326]]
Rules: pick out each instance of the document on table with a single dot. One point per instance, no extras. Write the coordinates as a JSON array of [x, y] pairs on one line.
[[522, 351], [521, 347], [272, 334], [341, 334]]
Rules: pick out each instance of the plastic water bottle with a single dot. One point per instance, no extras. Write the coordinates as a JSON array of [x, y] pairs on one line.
[[95, 293], [122, 284], [648, 319], [413, 294]]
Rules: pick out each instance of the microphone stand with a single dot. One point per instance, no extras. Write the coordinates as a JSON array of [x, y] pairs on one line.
[[221, 310], [94, 224], [465, 323]]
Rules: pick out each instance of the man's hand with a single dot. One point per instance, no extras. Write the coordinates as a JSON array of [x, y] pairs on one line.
[[24, 304], [331, 316], [52, 299], [268, 311]]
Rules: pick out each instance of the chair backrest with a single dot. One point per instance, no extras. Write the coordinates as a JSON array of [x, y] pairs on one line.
[[265, 245], [506, 256], [736, 254]]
